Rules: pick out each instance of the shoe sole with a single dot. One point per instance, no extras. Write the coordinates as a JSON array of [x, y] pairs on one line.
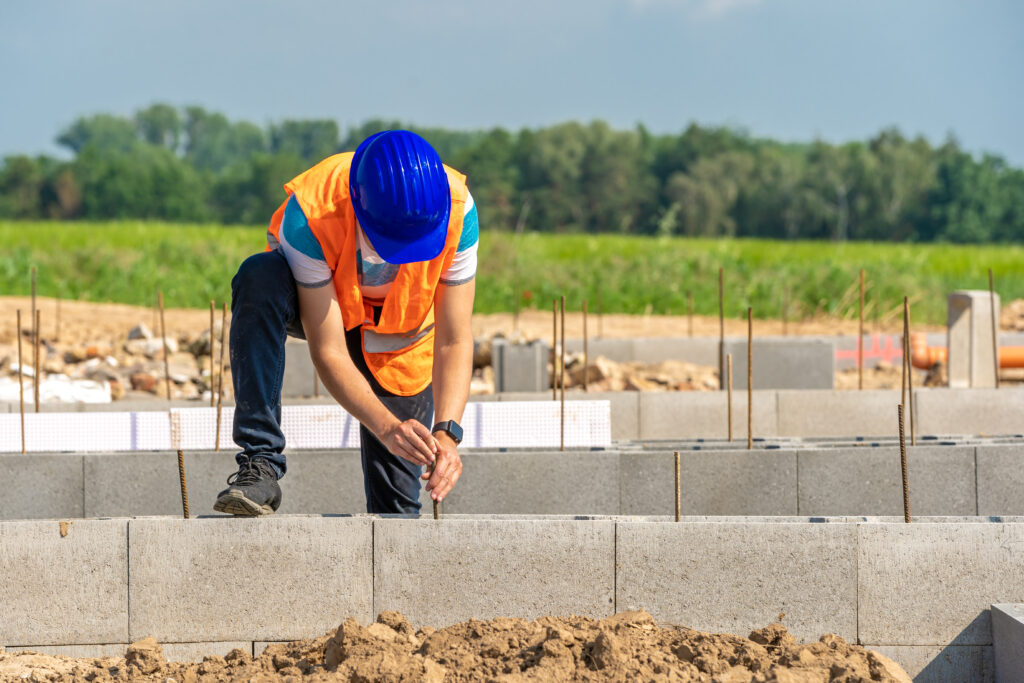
[[235, 503]]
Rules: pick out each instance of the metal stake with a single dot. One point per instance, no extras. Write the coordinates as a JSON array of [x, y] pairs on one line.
[[561, 413], [906, 360], [910, 368], [316, 384], [21, 386], [679, 502], [750, 378], [860, 336], [586, 354], [184, 489], [903, 466], [220, 376], [554, 350], [213, 401], [995, 334], [163, 338], [721, 324], [39, 374], [728, 359]]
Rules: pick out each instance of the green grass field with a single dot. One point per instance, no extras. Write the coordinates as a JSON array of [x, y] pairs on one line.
[[128, 261]]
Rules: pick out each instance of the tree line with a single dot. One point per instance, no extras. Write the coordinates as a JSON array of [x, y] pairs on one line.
[[190, 164]]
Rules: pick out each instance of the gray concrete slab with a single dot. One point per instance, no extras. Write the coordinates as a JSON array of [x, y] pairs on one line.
[[299, 372], [738, 577], [193, 580], [933, 584], [570, 482], [64, 589], [938, 664], [701, 351], [485, 569], [784, 363], [520, 367], [684, 415], [739, 482], [1008, 641], [620, 350], [38, 486], [869, 481], [810, 413], [647, 483], [970, 411], [1000, 480]]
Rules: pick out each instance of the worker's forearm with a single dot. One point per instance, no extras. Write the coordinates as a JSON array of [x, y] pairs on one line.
[[453, 370], [349, 388]]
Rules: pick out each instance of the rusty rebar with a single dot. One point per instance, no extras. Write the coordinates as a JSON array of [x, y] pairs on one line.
[[586, 350], [689, 312], [995, 330], [908, 352], [750, 378], [213, 400], [184, 489], [721, 324], [21, 386], [37, 361], [728, 401], [316, 384], [903, 466], [679, 501], [561, 413], [554, 350], [437, 510], [220, 375], [163, 339], [906, 359], [860, 335]]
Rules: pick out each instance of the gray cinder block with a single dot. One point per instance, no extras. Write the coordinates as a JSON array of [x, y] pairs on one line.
[[811, 412], [1000, 480], [869, 481], [193, 580], [299, 372], [38, 486], [932, 584], [64, 590], [937, 664], [969, 321], [701, 351], [703, 414], [618, 350], [520, 367], [572, 482], [969, 411], [440, 573], [1008, 641], [738, 577], [784, 363]]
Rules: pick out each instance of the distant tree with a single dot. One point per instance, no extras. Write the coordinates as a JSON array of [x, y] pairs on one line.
[[310, 141], [114, 134], [160, 125]]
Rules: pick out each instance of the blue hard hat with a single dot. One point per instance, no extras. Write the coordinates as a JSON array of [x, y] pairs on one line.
[[400, 195]]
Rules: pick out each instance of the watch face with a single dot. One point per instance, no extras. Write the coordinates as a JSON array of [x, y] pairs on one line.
[[455, 430]]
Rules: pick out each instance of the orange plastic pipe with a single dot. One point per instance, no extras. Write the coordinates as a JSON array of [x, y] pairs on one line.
[[924, 357]]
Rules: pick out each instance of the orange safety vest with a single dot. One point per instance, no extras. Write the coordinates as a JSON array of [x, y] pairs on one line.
[[399, 349]]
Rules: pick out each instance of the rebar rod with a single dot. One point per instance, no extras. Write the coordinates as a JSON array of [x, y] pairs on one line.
[[750, 378], [554, 350], [903, 466], [995, 328], [910, 369], [721, 325], [213, 400], [163, 339], [37, 361], [679, 502], [728, 400], [21, 386], [184, 489], [586, 350], [220, 374], [561, 413], [860, 335]]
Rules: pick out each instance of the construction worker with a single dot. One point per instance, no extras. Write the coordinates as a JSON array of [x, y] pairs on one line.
[[372, 259]]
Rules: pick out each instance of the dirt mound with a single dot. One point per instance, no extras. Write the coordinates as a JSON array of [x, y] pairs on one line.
[[627, 646]]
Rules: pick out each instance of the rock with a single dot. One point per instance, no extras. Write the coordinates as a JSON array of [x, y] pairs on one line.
[[140, 331], [150, 348], [143, 381]]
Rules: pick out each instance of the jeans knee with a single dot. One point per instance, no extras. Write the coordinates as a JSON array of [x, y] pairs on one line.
[[261, 274]]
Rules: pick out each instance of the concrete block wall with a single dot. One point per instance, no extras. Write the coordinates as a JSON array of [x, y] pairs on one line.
[[919, 593], [1008, 642]]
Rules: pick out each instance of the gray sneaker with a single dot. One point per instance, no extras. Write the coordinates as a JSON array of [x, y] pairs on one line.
[[252, 490]]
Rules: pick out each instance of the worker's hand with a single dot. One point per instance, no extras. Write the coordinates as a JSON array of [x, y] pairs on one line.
[[447, 469], [411, 441]]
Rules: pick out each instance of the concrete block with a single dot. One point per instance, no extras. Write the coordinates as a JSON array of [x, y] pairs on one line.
[[703, 414], [738, 577], [969, 321], [485, 569], [932, 584], [938, 664], [969, 411], [810, 413], [1000, 480], [192, 580], [521, 367], [64, 590], [41, 486], [619, 350], [1008, 642], [299, 372], [869, 481], [544, 482], [784, 363], [698, 350]]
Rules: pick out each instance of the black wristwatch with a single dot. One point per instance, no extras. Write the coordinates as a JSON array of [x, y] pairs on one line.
[[450, 427]]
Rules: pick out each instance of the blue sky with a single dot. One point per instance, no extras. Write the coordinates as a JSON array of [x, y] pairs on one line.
[[790, 69]]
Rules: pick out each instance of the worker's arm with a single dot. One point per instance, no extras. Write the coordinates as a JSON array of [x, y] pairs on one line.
[[453, 369], [325, 332]]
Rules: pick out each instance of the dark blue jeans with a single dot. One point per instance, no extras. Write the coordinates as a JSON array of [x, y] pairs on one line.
[[264, 311]]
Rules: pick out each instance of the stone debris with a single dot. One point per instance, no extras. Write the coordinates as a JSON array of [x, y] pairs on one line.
[[629, 646]]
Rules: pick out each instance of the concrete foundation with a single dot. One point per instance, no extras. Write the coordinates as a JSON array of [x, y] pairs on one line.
[[784, 363], [1008, 642]]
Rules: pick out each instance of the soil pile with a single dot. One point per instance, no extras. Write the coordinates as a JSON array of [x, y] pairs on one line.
[[627, 646]]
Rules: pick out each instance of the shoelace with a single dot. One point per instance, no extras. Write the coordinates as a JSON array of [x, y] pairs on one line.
[[248, 473]]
